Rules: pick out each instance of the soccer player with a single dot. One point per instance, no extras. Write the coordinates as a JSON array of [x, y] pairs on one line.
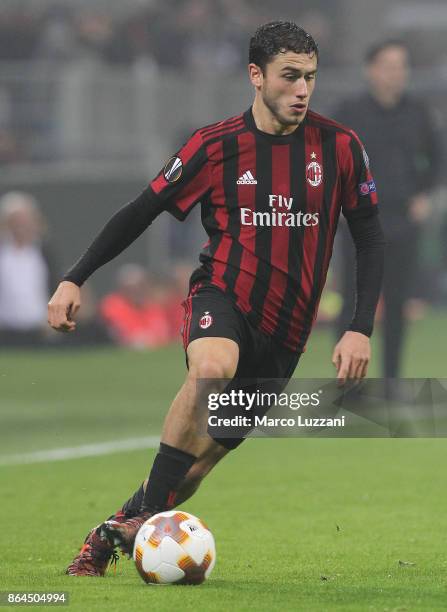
[[271, 183]]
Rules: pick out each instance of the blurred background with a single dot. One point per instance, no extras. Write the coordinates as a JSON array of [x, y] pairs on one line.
[[94, 97]]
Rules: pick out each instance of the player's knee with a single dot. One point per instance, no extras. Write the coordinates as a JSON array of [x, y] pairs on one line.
[[211, 368]]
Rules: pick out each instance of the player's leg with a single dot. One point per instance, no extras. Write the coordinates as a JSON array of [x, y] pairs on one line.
[[188, 463], [96, 552], [268, 360], [186, 452], [216, 361], [189, 485]]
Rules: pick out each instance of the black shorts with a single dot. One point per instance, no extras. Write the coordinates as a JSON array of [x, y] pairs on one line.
[[210, 313]]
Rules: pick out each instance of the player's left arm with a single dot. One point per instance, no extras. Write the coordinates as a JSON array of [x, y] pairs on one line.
[[352, 353]]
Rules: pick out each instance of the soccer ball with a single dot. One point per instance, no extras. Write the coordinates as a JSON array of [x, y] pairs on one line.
[[174, 548]]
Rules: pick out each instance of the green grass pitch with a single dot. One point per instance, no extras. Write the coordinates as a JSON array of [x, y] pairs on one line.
[[300, 524]]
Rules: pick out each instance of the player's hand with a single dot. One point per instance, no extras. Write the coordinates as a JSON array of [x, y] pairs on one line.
[[63, 307], [351, 357]]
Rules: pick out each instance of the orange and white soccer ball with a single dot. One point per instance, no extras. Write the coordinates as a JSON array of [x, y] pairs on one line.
[[174, 548]]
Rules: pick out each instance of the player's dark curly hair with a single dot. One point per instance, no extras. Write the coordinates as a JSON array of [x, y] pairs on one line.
[[276, 37]]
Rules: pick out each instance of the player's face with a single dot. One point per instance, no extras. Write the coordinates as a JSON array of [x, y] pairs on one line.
[[286, 86], [388, 73]]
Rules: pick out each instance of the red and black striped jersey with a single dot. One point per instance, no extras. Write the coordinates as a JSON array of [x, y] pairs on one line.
[[270, 206]]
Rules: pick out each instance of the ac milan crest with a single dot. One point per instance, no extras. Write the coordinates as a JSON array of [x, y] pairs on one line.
[[206, 320], [314, 174]]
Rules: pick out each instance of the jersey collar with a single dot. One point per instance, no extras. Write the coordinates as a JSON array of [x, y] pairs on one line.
[[273, 138]]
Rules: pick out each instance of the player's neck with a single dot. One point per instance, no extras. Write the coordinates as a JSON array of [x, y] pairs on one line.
[[266, 122]]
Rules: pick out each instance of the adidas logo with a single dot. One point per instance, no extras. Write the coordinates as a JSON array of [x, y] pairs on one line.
[[247, 179]]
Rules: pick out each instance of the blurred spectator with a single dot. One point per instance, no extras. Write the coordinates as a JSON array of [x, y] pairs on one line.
[[48, 49], [135, 314], [402, 143], [57, 38], [95, 34], [146, 37], [211, 38], [19, 34], [27, 276]]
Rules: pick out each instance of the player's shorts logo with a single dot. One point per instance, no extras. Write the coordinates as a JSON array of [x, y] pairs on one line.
[[314, 174], [173, 169], [206, 320]]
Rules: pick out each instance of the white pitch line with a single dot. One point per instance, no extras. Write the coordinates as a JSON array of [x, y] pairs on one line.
[[77, 452]]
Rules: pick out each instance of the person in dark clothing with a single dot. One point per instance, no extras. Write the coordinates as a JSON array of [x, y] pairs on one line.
[[401, 140]]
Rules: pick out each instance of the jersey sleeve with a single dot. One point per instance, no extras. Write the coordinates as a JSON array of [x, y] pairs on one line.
[[358, 189], [184, 180]]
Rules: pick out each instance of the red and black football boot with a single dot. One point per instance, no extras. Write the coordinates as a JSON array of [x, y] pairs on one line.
[[123, 533], [95, 554]]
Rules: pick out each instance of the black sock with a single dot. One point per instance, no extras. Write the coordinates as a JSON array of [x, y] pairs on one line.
[[169, 469], [133, 504]]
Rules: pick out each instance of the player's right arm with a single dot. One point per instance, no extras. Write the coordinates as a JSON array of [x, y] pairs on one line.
[[182, 183]]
